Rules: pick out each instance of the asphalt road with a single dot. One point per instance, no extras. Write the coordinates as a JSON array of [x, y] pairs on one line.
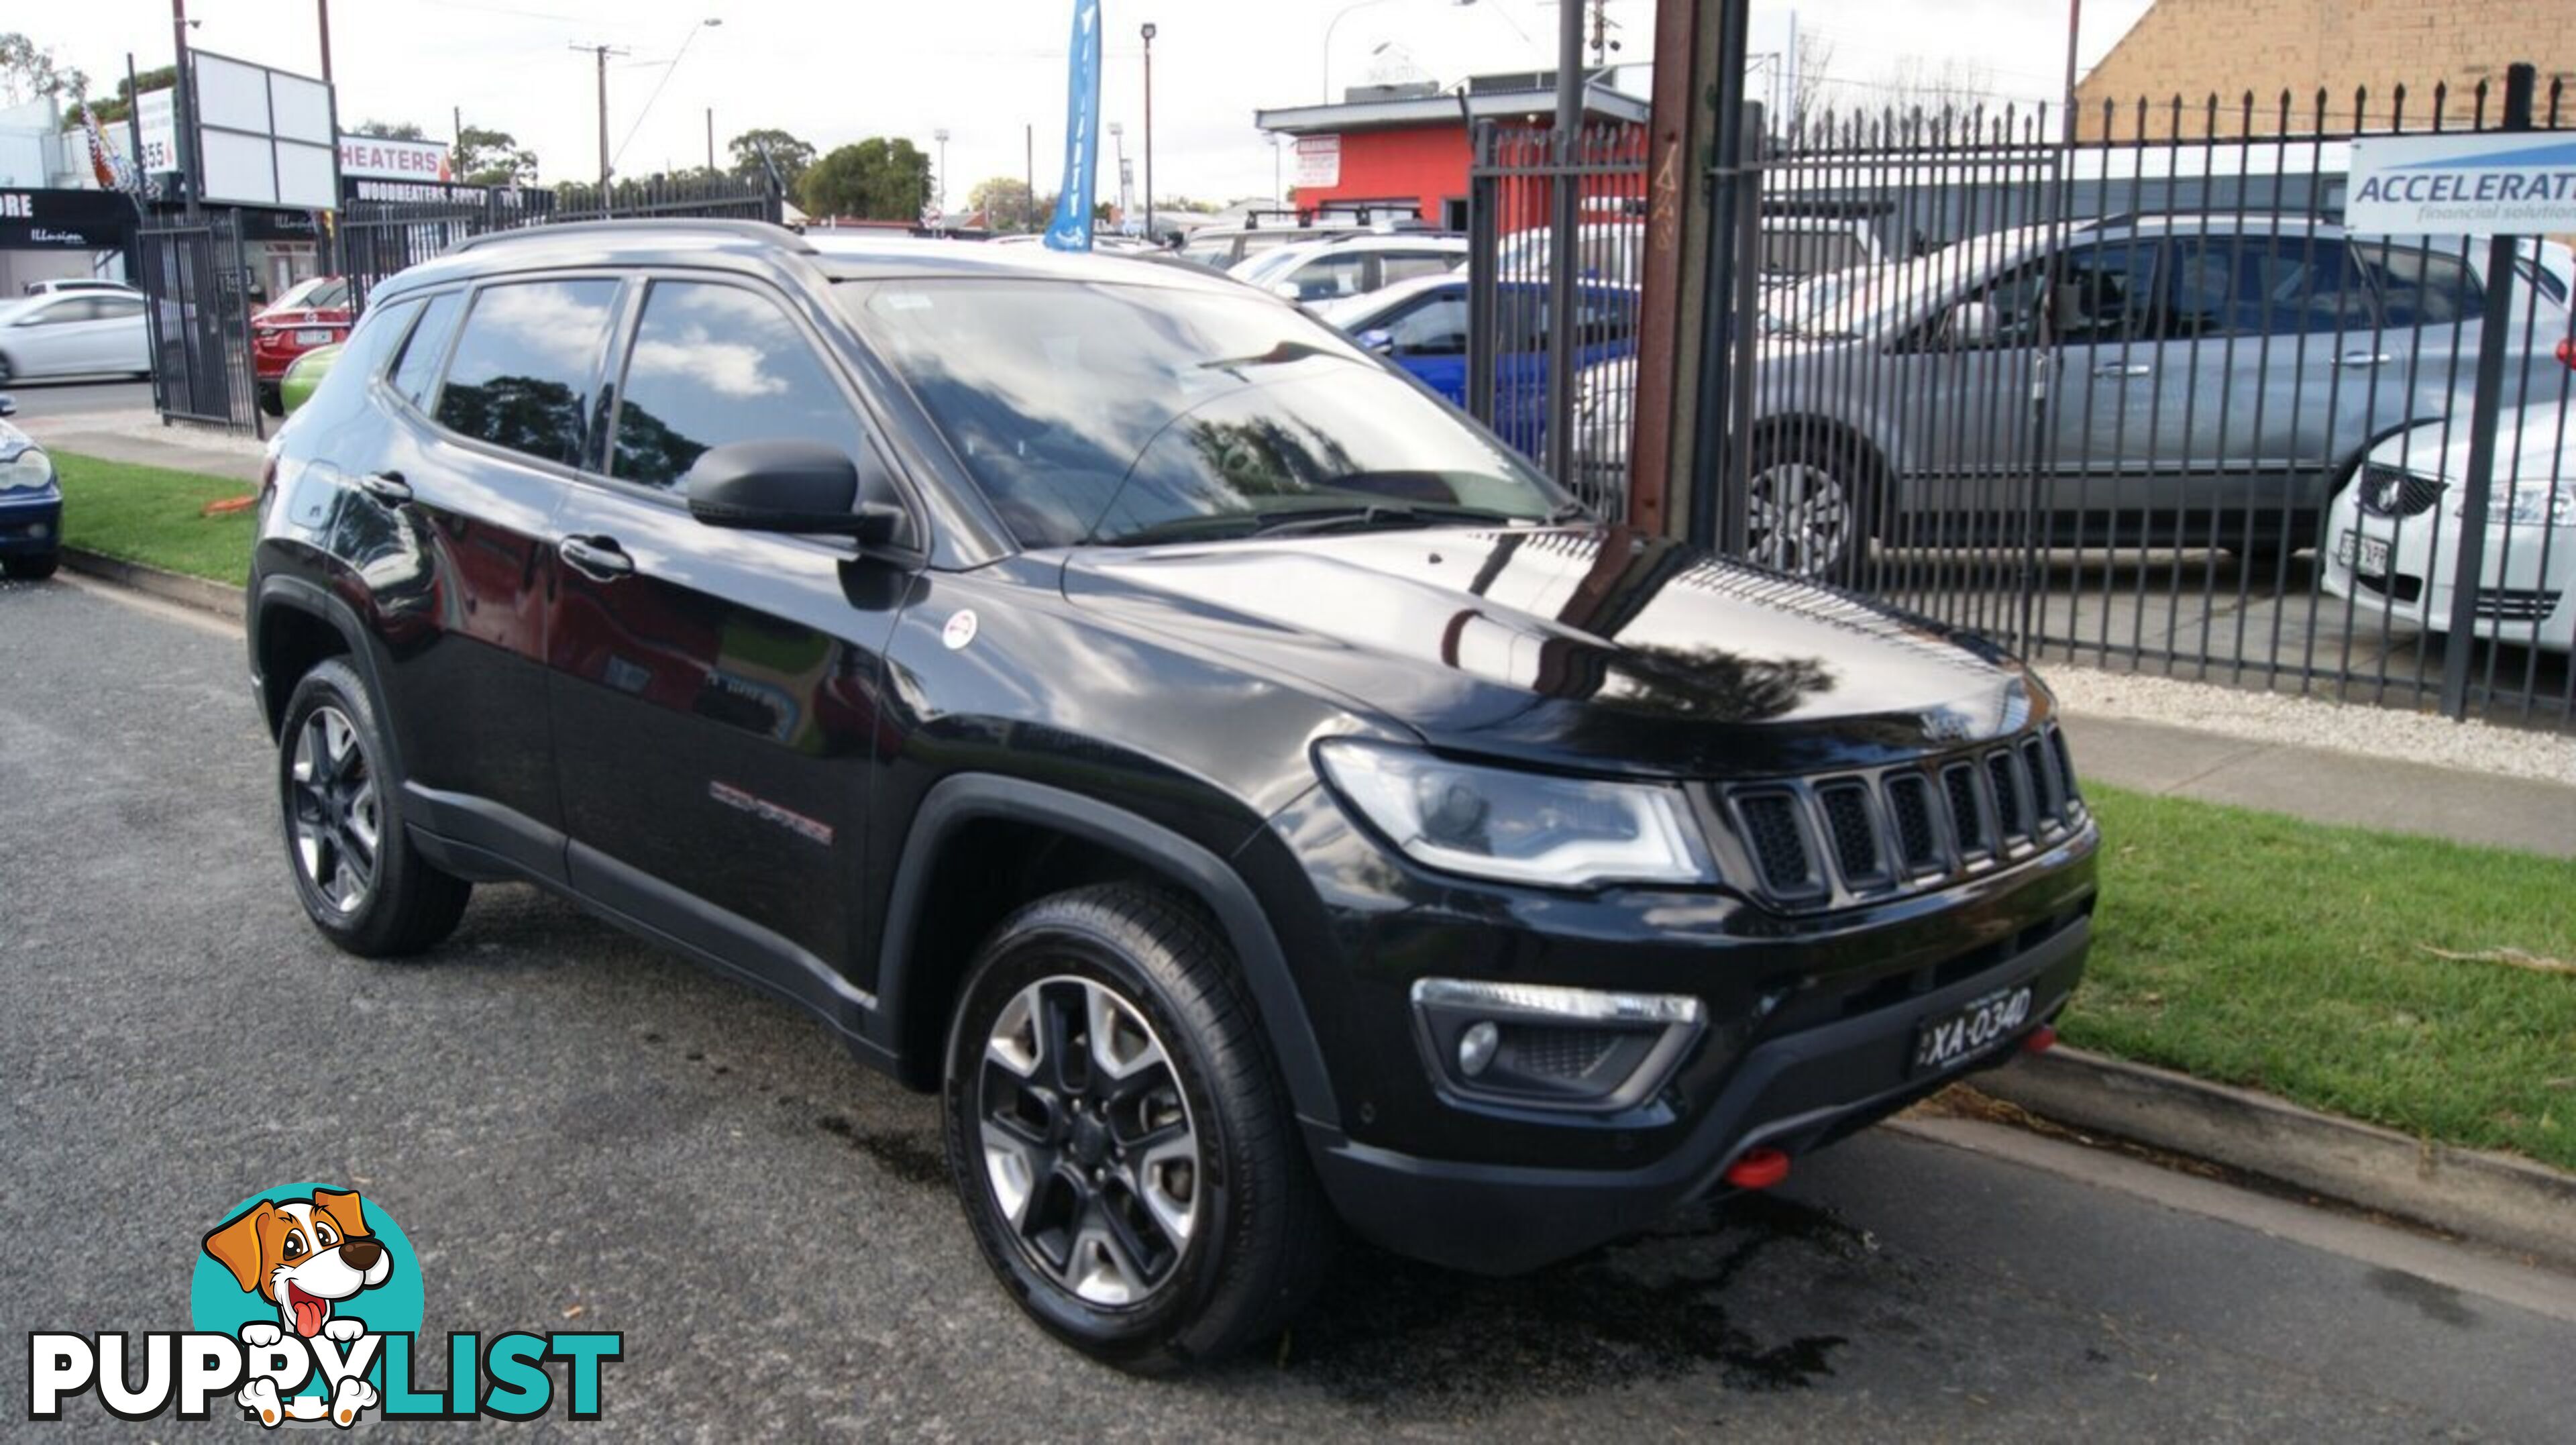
[[572, 1126], [48, 400]]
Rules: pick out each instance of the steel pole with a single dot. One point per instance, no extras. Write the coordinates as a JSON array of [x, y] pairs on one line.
[[1565, 245], [1149, 131], [2486, 414]]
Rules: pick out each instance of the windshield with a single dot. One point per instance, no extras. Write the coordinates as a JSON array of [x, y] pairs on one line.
[[1261, 268], [1112, 412]]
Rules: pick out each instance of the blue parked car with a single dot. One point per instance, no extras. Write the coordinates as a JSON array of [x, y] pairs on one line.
[[1421, 325], [31, 506]]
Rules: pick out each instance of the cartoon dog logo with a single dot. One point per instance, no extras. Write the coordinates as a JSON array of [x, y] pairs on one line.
[[305, 1256]]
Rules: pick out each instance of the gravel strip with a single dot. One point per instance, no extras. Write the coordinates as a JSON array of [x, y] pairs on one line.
[[2309, 722]]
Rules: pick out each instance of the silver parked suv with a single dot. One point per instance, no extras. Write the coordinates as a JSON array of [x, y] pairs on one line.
[[2176, 381]]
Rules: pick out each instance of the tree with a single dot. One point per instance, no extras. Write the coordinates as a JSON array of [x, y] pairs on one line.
[[387, 130], [875, 180], [1005, 201], [791, 156], [28, 71], [492, 158], [110, 112]]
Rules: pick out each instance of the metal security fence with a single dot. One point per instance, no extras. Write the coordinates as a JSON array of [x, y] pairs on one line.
[[2140, 402], [1523, 186], [196, 279], [379, 238]]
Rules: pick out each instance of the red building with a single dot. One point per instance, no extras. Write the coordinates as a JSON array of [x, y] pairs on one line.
[[1404, 149]]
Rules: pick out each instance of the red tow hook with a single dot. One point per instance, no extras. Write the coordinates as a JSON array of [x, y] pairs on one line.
[[2039, 1040], [1758, 1169]]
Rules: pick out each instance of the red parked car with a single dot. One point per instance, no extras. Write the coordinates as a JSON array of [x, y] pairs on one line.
[[313, 312]]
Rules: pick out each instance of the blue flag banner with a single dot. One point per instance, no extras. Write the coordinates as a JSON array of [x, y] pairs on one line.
[[1071, 228]]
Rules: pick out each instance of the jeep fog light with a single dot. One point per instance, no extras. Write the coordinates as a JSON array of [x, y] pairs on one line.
[[1548, 1047]]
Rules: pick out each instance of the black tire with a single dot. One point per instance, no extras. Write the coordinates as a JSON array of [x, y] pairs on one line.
[[34, 568], [271, 399], [8, 371], [403, 905], [1260, 1232], [1835, 461]]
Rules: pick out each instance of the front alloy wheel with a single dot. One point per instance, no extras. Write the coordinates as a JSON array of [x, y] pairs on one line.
[[1088, 1144], [1118, 1134]]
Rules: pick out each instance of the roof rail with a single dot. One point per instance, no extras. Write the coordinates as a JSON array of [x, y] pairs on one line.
[[637, 225]]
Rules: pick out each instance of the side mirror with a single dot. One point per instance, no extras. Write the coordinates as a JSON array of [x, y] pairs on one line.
[[1377, 339], [788, 486], [8, 404], [1973, 323]]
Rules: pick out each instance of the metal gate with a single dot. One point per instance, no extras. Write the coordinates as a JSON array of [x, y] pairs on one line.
[[2135, 400], [197, 284]]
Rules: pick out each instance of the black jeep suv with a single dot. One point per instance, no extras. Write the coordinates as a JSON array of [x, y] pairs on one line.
[[1101, 693]]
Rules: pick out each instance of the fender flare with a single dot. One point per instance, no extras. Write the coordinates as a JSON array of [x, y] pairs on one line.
[[968, 797], [313, 600]]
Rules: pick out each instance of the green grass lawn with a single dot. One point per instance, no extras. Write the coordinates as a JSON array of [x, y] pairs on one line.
[[154, 516], [2291, 957]]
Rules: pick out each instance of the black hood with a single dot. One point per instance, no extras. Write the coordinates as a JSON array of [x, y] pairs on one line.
[[1590, 647]]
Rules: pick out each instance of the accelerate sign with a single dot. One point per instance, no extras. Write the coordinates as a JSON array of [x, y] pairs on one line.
[[2497, 183]]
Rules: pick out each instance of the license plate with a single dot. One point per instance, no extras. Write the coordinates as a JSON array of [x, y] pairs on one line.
[[1945, 1040], [313, 336], [2366, 555]]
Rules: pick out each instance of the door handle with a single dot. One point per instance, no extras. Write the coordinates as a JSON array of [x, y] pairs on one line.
[[2362, 358], [2123, 369], [598, 558], [386, 487]]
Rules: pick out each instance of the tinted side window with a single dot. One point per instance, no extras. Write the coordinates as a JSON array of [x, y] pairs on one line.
[[2264, 286], [715, 364], [1342, 274], [2419, 286], [1433, 326], [2104, 295], [118, 308], [416, 375], [1405, 265], [373, 342], [522, 372]]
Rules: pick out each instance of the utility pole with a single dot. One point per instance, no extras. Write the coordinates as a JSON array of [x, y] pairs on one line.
[[711, 141], [1029, 160], [1148, 33], [941, 137], [183, 108], [330, 257], [601, 54]]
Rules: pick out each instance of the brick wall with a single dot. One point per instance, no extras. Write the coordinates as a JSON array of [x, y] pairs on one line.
[[2196, 48]]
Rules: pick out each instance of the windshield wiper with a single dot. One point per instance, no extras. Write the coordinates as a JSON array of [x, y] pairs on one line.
[[1376, 516]]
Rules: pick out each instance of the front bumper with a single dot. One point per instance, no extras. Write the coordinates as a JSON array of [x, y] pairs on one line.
[[2526, 575], [31, 523], [1793, 1093]]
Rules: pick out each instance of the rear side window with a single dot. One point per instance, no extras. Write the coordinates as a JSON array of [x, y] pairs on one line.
[[2264, 285], [715, 364], [416, 375], [1343, 273], [522, 373], [119, 308]]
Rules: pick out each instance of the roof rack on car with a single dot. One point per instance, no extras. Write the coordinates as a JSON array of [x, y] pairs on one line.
[[636, 225]]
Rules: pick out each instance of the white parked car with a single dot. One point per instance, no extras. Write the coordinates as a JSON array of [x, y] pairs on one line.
[[80, 283], [2392, 538], [74, 333], [1313, 272]]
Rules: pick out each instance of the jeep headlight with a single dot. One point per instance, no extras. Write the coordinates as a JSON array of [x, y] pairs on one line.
[[26, 471], [1519, 827]]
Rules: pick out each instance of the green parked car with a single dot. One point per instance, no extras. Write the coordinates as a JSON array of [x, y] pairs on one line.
[[304, 375]]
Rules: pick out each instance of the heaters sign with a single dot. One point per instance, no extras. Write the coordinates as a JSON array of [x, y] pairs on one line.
[[376, 158]]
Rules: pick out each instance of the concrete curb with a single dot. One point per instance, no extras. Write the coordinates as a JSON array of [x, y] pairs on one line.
[[197, 592], [2496, 1199]]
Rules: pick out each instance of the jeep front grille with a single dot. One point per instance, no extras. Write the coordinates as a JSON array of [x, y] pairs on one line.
[[1858, 837]]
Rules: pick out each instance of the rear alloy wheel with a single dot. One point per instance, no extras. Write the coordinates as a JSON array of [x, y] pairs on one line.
[[1119, 1137], [359, 877], [1803, 516]]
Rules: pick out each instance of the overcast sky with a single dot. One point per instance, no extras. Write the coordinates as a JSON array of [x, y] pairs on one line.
[[983, 69]]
